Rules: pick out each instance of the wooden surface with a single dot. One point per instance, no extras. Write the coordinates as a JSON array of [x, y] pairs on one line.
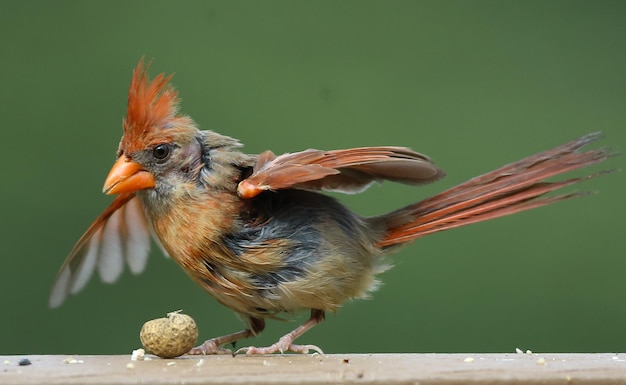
[[514, 368]]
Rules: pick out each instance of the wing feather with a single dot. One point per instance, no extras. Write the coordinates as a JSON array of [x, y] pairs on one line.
[[137, 241], [349, 171], [87, 265], [121, 233], [110, 259]]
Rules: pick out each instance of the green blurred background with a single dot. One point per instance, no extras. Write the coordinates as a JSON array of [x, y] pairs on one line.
[[473, 84]]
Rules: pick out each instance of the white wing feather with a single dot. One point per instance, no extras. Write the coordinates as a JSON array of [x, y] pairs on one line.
[[121, 233]]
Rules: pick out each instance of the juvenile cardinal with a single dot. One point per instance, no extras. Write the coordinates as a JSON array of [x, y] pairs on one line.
[[255, 232]]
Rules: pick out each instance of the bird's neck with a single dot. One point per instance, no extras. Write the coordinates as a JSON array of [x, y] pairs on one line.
[[188, 224]]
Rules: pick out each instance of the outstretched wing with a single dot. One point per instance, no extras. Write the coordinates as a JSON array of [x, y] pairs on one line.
[[349, 171], [121, 233]]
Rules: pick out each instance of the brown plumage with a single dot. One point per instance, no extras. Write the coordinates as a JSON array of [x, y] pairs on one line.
[[255, 232]]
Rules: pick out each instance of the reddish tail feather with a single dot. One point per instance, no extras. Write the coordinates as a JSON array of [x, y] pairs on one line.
[[510, 189]]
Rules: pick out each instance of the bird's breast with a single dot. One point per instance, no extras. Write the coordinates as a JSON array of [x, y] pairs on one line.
[[292, 252]]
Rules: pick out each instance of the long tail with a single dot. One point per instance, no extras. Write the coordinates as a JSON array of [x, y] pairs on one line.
[[510, 189]]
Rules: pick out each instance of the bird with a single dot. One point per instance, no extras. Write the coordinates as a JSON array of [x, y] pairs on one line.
[[258, 232]]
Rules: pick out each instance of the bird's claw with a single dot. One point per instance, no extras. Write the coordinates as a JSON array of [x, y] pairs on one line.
[[279, 347], [208, 347]]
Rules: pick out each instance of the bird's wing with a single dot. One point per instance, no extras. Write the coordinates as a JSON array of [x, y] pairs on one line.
[[349, 171], [120, 234]]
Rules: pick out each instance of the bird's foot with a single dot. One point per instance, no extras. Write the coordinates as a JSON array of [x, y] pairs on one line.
[[213, 346], [283, 345], [209, 347]]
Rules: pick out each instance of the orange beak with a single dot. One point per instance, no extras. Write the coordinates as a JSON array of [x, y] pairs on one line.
[[127, 176]]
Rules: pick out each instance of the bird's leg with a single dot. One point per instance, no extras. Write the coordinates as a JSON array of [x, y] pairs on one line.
[[213, 346], [285, 343]]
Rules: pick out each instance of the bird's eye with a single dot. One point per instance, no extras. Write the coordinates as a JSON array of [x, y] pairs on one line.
[[161, 152]]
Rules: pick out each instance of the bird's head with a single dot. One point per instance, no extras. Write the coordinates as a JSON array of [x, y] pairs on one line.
[[160, 148]]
